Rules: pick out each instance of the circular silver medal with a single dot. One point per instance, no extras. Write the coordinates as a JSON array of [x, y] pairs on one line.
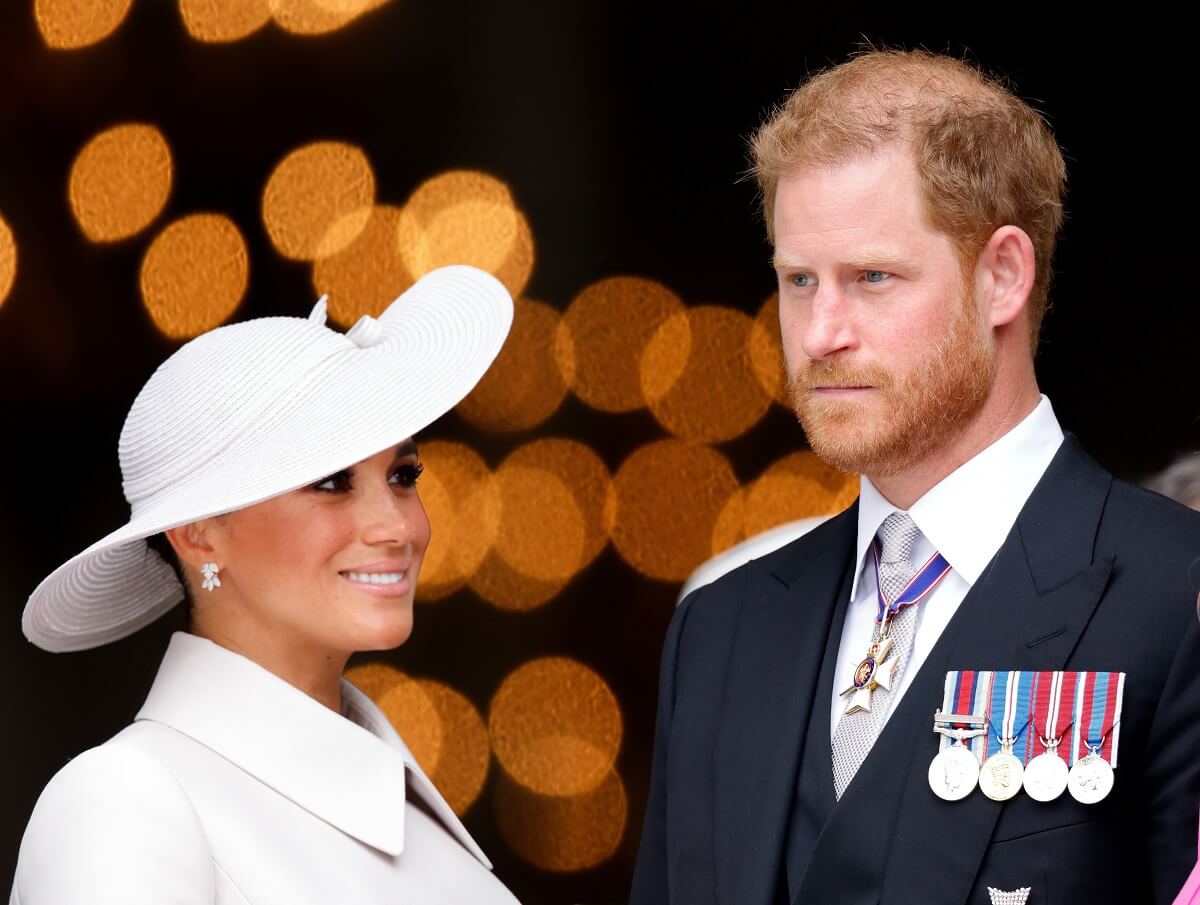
[[1000, 778], [1091, 779], [953, 773], [1046, 777]]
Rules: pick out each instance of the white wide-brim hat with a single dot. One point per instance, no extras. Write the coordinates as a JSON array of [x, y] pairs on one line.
[[256, 409]]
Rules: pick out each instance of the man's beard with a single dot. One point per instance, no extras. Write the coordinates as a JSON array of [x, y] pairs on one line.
[[920, 412]]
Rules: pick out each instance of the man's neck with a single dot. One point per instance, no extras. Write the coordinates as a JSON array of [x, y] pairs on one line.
[[999, 415]]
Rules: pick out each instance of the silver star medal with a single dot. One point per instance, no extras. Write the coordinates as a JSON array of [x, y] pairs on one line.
[[875, 670]]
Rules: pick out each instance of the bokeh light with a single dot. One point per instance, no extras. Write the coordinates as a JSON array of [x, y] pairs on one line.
[[603, 335], [504, 587], [412, 713], [462, 500], [220, 21], [541, 527], [8, 260], [194, 275], [444, 731], [539, 544], [562, 834], [318, 17], [314, 189], [524, 385], [466, 217], [466, 752], [670, 494], [557, 511], [799, 485], [585, 475], [766, 351], [368, 273], [373, 679], [555, 727], [697, 377], [120, 181], [68, 24]]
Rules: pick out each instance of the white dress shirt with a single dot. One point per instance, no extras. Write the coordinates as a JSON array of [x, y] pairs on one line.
[[965, 517], [232, 786]]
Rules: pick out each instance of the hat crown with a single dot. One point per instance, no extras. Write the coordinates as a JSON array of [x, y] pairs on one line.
[[209, 393]]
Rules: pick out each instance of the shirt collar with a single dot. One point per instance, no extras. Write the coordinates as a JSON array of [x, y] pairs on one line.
[[349, 770], [969, 513]]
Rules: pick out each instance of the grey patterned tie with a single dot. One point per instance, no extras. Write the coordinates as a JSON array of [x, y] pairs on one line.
[[856, 732]]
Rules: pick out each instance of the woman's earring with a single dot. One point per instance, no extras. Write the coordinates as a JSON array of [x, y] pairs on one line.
[[212, 580]]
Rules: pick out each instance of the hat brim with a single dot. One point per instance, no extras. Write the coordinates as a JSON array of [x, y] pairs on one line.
[[435, 342]]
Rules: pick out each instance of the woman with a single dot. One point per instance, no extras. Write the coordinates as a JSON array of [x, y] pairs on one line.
[[272, 464]]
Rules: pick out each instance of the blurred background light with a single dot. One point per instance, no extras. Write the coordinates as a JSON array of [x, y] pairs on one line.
[[221, 21], [462, 500], [69, 24], [525, 385], [555, 727], [120, 181], [606, 330], [8, 260], [697, 375], [194, 275], [318, 199], [670, 494]]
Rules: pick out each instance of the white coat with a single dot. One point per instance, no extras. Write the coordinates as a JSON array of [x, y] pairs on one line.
[[233, 787]]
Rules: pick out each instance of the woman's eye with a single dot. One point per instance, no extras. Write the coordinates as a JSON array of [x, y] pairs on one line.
[[407, 475], [335, 483]]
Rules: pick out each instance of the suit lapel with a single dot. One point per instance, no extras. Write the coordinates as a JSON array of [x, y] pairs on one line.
[[1027, 611], [774, 668]]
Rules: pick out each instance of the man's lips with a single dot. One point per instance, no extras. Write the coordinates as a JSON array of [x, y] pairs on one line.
[[840, 390]]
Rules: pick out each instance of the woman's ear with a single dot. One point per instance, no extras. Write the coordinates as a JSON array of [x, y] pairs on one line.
[[191, 543]]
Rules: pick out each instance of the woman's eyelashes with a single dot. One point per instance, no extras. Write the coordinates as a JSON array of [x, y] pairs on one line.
[[335, 483], [408, 474], [405, 474]]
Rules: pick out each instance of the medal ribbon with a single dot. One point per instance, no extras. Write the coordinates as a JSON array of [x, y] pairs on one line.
[[1098, 701], [1086, 706], [920, 586], [1053, 708], [968, 691], [1008, 709]]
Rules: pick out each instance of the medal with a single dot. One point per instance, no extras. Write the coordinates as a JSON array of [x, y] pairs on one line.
[[1046, 775], [1098, 716], [1078, 713], [1001, 775], [954, 772], [1091, 779], [875, 670]]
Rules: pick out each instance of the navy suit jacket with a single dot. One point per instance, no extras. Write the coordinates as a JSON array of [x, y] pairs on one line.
[[1093, 576]]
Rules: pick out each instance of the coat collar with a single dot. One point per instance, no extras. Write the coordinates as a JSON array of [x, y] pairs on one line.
[[348, 770]]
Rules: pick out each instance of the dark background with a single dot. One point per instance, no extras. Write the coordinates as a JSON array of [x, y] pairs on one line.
[[620, 129]]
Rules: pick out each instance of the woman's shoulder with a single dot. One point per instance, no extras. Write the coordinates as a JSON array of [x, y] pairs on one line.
[[113, 825]]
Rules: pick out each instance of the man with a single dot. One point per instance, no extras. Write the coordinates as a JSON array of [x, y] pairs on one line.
[[914, 206]]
